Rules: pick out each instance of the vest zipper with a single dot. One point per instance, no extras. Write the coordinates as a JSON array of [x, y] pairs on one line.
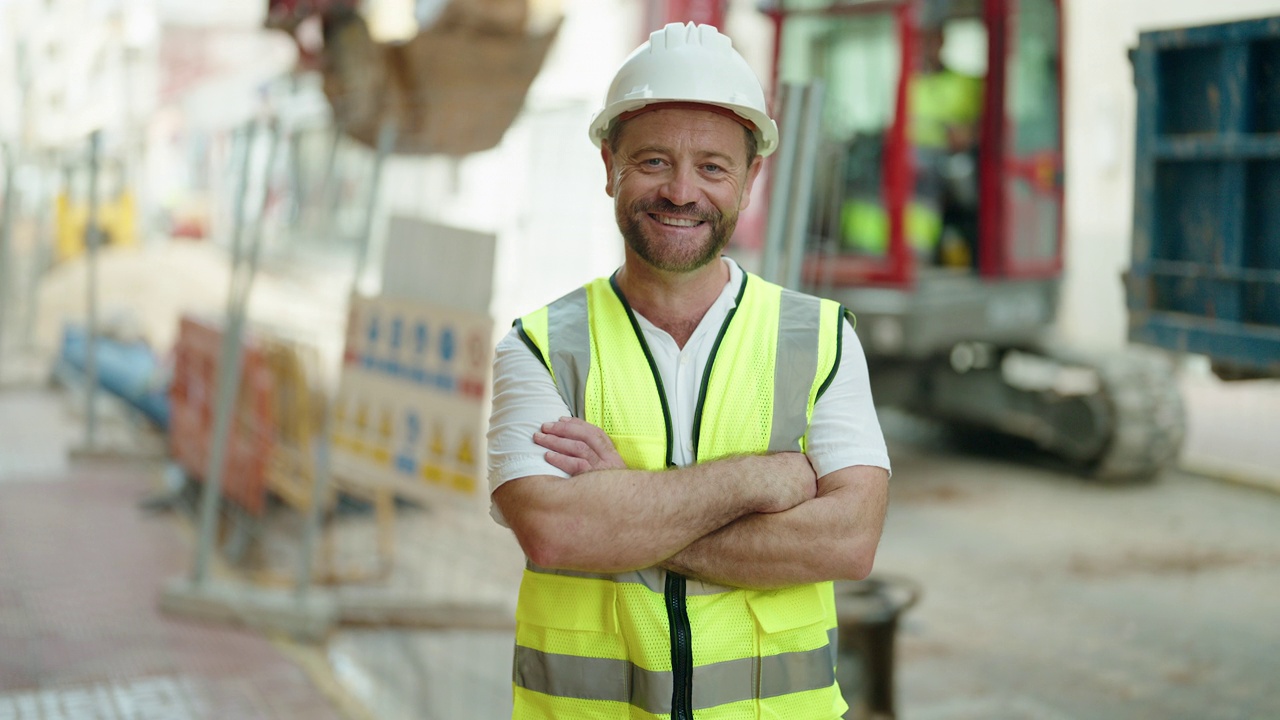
[[681, 648]]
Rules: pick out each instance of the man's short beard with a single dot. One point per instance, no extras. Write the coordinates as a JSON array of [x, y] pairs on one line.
[[675, 259]]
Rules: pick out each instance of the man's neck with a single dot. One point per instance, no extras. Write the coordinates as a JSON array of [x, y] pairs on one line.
[[675, 302]]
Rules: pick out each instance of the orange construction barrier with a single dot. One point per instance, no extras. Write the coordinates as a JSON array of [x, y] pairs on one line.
[[253, 426]]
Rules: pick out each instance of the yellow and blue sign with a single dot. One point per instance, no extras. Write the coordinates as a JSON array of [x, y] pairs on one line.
[[411, 402]]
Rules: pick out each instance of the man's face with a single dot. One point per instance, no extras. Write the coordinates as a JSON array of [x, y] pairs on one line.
[[678, 178], [931, 41]]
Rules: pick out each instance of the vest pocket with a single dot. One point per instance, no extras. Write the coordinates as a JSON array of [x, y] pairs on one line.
[[565, 602], [797, 664], [646, 452], [786, 610], [567, 640]]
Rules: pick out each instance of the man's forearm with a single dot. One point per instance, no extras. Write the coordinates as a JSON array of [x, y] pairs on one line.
[[617, 519], [831, 537]]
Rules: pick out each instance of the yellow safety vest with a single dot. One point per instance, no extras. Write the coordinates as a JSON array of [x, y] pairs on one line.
[[652, 643], [940, 100]]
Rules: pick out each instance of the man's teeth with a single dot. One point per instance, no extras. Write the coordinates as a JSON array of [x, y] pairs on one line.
[[678, 222]]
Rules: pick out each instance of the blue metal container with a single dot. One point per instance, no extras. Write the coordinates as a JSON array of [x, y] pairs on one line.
[[1205, 274]]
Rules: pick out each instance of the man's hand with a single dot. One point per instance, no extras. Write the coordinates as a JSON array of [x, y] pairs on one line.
[[832, 537], [576, 446], [793, 483]]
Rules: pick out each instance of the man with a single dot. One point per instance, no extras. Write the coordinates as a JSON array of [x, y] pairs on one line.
[[946, 109], [946, 105], [687, 454]]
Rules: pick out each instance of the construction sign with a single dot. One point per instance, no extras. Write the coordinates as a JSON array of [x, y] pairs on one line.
[[412, 399]]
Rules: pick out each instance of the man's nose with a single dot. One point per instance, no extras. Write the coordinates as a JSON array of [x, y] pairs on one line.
[[681, 187]]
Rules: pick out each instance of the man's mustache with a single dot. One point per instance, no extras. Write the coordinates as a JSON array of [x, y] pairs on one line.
[[685, 212]]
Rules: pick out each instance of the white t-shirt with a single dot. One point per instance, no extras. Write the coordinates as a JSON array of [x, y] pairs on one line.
[[843, 432]]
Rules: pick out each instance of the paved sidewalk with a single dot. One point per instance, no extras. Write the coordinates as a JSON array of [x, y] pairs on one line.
[[81, 567], [1231, 430]]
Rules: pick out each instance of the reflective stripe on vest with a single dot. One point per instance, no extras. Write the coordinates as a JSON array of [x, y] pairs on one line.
[[597, 645], [587, 678]]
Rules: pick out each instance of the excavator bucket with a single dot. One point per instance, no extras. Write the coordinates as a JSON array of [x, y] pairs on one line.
[[454, 88]]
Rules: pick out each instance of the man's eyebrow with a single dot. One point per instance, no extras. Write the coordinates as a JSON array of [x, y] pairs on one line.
[[721, 157], [661, 150]]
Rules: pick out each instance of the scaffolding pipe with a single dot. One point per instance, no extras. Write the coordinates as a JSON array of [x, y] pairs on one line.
[[315, 512], [387, 133], [91, 239], [230, 355], [6, 231], [311, 531], [42, 254], [780, 181], [329, 187], [797, 235]]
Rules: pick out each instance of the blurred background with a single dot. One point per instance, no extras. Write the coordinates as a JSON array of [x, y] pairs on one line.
[[254, 256]]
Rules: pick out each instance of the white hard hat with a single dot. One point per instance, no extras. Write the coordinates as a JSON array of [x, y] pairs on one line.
[[688, 64]]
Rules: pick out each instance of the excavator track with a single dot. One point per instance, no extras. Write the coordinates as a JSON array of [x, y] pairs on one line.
[[1117, 419], [1148, 418]]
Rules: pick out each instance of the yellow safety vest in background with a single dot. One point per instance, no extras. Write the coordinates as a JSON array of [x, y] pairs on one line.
[[940, 100], [650, 643]]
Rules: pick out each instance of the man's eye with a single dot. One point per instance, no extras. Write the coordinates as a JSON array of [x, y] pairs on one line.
[[712, 168], [652, 162]]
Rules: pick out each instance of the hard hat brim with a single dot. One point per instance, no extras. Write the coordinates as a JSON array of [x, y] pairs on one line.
[[765, 129]]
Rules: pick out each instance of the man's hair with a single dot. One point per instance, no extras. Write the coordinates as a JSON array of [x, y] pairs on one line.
[[615, 131]]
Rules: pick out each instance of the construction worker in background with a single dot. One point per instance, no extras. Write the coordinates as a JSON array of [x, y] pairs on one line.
[[946, 107], [687, 454]]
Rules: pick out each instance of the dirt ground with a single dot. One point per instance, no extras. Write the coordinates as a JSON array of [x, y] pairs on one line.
[[1048, 597]]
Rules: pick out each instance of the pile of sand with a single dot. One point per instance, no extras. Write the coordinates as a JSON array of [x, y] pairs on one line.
[[143, 292]]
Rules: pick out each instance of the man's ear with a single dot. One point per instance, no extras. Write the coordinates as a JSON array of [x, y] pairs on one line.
[[752, 173], [607, 156]]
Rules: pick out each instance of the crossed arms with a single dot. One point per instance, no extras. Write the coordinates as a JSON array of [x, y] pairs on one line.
[[754, 521]]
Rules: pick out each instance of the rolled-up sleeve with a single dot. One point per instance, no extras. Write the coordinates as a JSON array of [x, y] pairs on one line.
[[524, 397]]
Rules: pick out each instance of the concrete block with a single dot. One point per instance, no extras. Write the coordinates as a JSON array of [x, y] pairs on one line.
[[308, 619]]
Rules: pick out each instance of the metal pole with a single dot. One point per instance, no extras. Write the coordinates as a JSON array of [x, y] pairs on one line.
[[91, 324], [387, 133], [386, 141], [780, 194], [316, 511], [42, 256], [802, 186], [6, 230], [296, 182], [329, 188], [260, 219], [228, 377]]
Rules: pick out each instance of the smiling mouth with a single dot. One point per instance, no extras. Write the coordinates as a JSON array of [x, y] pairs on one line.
[[676, 221]]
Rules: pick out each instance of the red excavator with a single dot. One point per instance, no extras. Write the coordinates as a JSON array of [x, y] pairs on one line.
[[924, 190]]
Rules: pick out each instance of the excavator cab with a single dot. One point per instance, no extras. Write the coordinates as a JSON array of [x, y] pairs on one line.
[[937, 180], [935, 215]]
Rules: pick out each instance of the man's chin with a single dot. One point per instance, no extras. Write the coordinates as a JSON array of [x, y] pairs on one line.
[[675, 261]]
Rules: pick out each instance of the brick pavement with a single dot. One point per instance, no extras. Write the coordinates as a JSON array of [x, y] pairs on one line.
[[81, 567]]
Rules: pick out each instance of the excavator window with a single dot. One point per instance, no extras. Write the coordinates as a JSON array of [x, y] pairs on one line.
[[940, 151], [859, 56], [859, 59], [945, 104]]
